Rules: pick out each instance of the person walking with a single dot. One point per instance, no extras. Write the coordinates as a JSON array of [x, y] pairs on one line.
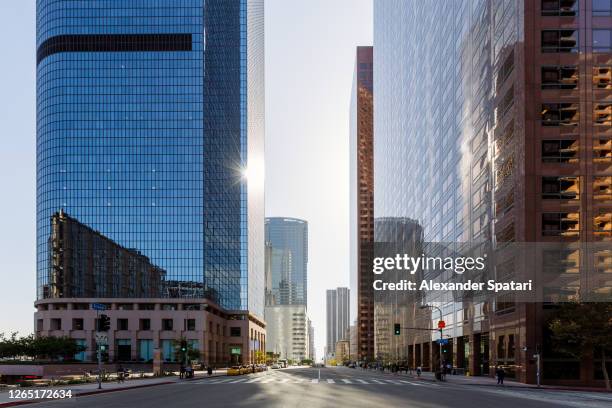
[[120, 374], [418, 371], [500, 375], [182, 371]]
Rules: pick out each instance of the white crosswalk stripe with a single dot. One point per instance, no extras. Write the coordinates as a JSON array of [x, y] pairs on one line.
[[278, 379]]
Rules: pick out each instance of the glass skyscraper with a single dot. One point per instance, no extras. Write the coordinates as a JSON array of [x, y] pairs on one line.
[[287, 261], [150, 118]]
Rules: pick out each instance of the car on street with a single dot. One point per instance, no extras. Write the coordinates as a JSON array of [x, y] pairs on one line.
[[275, 366], [235, 370]]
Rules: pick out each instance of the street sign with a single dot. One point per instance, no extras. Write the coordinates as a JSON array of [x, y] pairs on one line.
[[101, 338], [98, 306], [443, 341]]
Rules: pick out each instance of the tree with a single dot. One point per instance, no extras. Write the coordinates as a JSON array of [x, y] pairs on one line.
[[584, 328], [260, 357], [42, 347]]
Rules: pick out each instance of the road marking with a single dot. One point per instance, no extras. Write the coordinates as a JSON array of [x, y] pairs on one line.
[[330, 381], [252, 380], [222, 381], [284, 380], [347, 381], [393, 382], [268, 380], [418, 384], [378, 382], [314, 381], [237, 381], [363, 381]]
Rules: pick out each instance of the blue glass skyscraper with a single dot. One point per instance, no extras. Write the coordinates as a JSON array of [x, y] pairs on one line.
[[287, 263], [150, 131]]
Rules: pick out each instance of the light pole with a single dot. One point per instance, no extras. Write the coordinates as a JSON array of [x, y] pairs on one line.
[[441, 336]]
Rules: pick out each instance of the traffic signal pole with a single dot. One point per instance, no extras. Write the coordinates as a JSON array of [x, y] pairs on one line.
[[99, 354]]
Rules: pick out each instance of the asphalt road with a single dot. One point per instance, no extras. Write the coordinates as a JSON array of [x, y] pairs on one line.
[[331, 387]]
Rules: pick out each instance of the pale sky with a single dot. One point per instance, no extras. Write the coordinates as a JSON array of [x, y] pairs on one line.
[[310, 51]]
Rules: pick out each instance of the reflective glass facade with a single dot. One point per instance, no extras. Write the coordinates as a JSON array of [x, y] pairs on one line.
[[287, 262], [149, 114]]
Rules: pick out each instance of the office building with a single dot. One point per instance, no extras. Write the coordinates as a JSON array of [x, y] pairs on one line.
[[338, 312], [287, 261], [150, 132], [362, 202], [492, 124], [287, 331], [312, 354]]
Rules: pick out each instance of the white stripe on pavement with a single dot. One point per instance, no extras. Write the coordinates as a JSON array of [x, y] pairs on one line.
[[253, 380], [347, 381], [314, 381], [394, 382], [378, 382], [237, 381], [330, 381], [418, 384], [363, 381]]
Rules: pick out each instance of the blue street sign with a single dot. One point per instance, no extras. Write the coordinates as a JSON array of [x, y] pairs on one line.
[[98, 306], [443, 341]]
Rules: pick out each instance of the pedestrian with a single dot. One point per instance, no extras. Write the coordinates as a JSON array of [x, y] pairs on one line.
[[210, 371], [500, 375], [182, 371], [418, 371], [120, 374]]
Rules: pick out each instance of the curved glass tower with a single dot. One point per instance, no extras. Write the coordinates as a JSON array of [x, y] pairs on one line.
[[149, 119]]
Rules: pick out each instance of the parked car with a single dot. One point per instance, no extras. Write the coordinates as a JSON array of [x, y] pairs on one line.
[[235, 370], [275, 366]]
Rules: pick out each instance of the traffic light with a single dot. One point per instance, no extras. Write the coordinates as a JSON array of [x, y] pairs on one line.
[[103, 323], [183, 346], [396, 329]]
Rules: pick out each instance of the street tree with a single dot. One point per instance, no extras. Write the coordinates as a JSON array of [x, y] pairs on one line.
[[584, 328]]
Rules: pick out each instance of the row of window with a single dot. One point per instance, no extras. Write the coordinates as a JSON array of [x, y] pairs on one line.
[[566, 40], [566, 77], [569, 8], [568, 188], [567, 224], [143, 324], [568, 114]]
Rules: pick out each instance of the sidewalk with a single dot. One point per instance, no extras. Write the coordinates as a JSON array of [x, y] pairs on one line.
[[492, 382], [92, 388]]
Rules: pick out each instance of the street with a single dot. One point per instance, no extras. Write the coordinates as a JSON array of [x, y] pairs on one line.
[[332, 387]]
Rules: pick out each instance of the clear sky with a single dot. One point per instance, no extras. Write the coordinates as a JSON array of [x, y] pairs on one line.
[[310, 51]]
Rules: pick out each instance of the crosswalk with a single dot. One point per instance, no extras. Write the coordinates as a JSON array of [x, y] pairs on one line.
[[283, 380]]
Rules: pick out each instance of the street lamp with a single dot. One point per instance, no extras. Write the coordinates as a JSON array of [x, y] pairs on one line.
[[441, 336]]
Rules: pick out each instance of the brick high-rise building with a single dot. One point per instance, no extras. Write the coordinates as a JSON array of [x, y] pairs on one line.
[[362, 202], [493, 124]]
